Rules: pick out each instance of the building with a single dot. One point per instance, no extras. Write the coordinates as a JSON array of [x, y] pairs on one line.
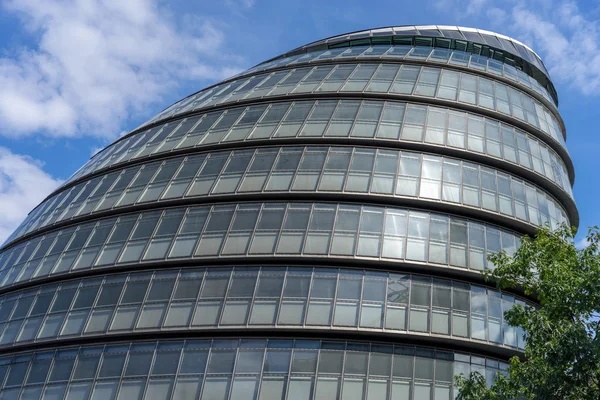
[[313, 227]]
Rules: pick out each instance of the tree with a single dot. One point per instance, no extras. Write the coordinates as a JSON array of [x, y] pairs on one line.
[[562, 352]]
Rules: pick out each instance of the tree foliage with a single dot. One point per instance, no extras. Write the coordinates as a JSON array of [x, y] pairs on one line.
[[562, 352]]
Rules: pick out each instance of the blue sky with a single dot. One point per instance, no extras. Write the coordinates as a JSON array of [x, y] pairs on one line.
[[77, 74]]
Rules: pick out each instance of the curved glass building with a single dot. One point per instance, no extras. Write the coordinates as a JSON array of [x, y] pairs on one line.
[[312, 228]]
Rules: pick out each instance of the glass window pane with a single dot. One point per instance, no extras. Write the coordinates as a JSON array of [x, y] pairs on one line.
[[194, 361], [221, 361], [277, 361], [109, 295], [215, 388], [319, 313], [86, 367], [327, 388], [304, 361], [235, 313], [269, 286], [56, 392], [330, 362], [138, 364], [423, 368], [300, 388], [152, 315], [16, 374], [159, 389], [179, 314], [249, 361], [112, 365], [86, 297], [263, 312], [61, 370], [166, 363], [349, 289], [422, 390], [395, 318], [377, 389], [135, 292], [419, 320], [346, 314], [374, 290], [77, 391], [352, 389], [356, 363], [207, 313], [131, 390], [74, 323], [51, 326], [124, 318], [244, 388], [161, 290], [187, 289], [39, 371], [187, 388], [371, 315], [99, 320], [63, 300], [272, 388]]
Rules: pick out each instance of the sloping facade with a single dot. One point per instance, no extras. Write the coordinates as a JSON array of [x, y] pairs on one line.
[[312, 228]]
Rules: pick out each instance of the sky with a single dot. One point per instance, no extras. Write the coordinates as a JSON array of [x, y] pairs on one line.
[[77, 74]]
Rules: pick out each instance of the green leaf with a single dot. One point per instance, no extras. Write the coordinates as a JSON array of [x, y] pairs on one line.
[[562, 352]]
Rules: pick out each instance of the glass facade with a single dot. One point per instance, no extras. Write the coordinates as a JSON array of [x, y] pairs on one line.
[[253, 297], [447, 86], [258, 230], [244, 369], [312, 228], [305, 169], [459, 58], [391, 123]]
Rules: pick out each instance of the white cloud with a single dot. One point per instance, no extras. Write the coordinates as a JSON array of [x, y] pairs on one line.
[[23, 184], [462, 8], [567, 41], [563, 35], [95, 64], [582, 244], [95, 150], [244, 4]]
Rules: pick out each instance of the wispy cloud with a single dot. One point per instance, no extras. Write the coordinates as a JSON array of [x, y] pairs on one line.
[[95, 64], [241, 4], [565, 36], [23, 184], [90, 67], [568, 42], [461, 8], [582, 244]]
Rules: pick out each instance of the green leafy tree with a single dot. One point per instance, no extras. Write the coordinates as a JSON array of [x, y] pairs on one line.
[[562, 352]]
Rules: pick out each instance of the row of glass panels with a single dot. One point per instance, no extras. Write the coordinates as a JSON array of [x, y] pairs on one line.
[[258, 229], [244, 369], [477, 36], [386, 121], [252, 297], [421, 53], [304, 169], [445, 84]]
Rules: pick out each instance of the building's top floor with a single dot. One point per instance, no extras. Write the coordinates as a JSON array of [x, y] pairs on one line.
[[469, 39]]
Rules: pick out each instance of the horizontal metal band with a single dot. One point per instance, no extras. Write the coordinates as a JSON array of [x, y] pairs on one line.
[[365, 199], [435, 341]]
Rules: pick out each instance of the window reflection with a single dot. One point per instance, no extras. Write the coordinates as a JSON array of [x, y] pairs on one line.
[[267, 296], [330, 169], [375, 78], [242, 369], [267, 229]]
